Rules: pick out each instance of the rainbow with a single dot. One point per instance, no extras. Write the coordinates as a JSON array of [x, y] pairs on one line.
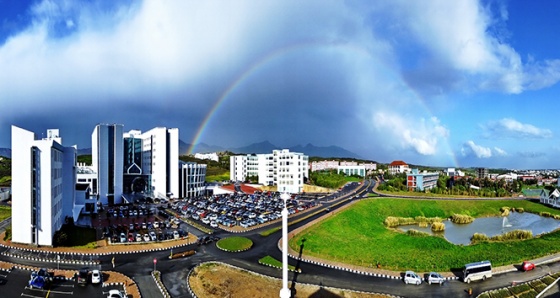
[[278, 53]]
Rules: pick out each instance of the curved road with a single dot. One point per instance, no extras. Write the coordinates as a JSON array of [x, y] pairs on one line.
[[174, 272]]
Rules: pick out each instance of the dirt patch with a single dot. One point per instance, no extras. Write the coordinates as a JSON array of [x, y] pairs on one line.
[[213, 280]]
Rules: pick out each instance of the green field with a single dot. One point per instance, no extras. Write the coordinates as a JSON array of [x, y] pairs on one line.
[[235, 243], [5, 212], [357, 236]]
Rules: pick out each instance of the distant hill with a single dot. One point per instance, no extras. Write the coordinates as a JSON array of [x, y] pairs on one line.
[[6, 152], [267, 147]]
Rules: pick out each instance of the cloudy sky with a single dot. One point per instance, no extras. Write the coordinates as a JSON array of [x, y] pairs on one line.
[[444, 83]]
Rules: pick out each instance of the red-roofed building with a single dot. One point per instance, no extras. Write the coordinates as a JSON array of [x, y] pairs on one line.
[[398, 166]]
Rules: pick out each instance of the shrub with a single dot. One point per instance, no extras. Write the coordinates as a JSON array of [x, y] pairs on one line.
[[438, 227], [183, 254], [556, 216], [461, 218], [548, 280], [8, 234], [391, 222], [538, 285], [505, 212], [530, 294], [479, 237], [544, 214], [513, 235], [416, 233], [519, 209]]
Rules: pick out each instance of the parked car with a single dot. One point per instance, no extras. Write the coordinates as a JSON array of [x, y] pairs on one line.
[[115, 294], [122, 238], [175, 234], [146, 237], [527, 266], [412, 278], [153, 236], [82, 276], [95, 276], [138, 237], [435, 278]]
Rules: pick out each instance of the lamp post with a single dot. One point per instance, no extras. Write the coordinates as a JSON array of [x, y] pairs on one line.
[[285, 292]]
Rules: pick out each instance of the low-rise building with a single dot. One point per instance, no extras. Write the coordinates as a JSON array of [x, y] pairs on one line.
[[416, 180]]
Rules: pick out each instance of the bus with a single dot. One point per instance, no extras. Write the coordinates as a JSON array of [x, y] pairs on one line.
[[475, 271]]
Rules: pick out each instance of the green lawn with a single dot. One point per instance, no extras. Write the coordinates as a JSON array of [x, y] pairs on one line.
[[235, 243], [5, 212], [358, 236]]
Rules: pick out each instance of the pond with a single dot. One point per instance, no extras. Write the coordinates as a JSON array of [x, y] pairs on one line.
[[492, 226]]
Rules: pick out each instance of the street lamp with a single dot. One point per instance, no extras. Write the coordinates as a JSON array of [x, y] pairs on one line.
[[285, 292]]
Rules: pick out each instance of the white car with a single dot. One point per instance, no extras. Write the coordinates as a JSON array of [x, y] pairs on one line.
[[412, 278], [115, 294], [146, 237], [153, 236], [214, 224], [95, 276], [176, 234], [435, 278]]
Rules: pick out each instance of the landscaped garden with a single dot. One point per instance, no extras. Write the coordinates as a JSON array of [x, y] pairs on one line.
[[358, 236], [234, 244]]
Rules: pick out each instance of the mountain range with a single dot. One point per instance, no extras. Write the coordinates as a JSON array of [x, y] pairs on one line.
[[256, 148]]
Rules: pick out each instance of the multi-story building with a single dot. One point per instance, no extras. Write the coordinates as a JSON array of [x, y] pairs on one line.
[[350, 170], [107, 161], [43, 186], [482, 173], [324, 165], [160, 160], [287, 170], [243, 166], [417, 180], [398, 166], [211, 156], [192, 178]]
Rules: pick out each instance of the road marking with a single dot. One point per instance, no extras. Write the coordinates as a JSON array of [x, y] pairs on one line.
[[27, 295]]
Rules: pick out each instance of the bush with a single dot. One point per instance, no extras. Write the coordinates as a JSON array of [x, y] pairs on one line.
[[416, 233], [548, 280], [538, 285], [519, 209], [545, 214], [530, 294], [8, 234], [520, 289], [513, 235], [461, 218], [183, 254], [479, 237], [438, 227]]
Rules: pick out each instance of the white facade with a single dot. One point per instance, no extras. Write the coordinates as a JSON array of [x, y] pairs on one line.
[[211, 156], [287, 170], [192, 178], [243, 166], [350, 170], [160, 159], [43, 186], [107, 161]]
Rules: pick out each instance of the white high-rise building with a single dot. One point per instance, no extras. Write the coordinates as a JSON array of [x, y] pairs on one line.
[[287, 170], [243, 166], [43, 186], [160, 159], [192, 178], [107, 161]]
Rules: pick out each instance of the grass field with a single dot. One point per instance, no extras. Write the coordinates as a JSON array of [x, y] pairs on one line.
[[357, 236], [5, 212], [235, 243]]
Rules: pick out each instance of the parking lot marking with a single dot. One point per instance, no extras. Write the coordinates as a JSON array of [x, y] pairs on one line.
[[27, 295]]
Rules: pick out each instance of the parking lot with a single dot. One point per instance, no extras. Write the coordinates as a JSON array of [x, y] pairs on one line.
[[136, 223], [15, 284], [243, 210]]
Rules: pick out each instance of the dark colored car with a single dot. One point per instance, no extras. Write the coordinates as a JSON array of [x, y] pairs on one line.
[[82, 277]]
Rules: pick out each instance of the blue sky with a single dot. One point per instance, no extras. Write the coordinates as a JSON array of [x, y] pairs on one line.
[[442, 83]]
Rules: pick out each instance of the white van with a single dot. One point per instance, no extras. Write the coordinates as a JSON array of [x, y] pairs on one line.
[[477, 271]]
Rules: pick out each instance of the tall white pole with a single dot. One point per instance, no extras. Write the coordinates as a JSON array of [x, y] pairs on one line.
[[285, 292]]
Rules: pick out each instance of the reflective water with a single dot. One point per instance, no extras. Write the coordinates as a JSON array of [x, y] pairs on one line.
[[492, 226]]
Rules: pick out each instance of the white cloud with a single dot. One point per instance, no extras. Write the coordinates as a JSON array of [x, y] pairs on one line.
[[458, 38], [421, 135], [470, 148], [500, 151], [511, 128]]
